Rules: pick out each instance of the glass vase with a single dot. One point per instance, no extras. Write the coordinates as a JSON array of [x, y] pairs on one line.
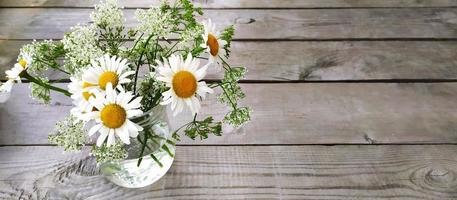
[[127, 173]]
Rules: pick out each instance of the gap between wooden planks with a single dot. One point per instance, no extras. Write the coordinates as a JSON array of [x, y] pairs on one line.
[[305, 60], [267, 172], [261, 24], [298, 113]]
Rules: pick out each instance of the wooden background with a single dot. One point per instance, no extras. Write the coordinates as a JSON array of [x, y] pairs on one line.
[[352, 99]]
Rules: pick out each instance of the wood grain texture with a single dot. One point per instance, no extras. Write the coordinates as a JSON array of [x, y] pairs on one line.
[[244, 172], [295, 24], [241, 3], [305, 60], [307, 113]]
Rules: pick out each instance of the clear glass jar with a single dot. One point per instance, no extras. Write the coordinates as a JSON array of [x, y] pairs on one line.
[[127, 173]]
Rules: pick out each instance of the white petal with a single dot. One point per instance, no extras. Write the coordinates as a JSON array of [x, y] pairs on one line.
[[123, 134], [196, 104], [179, 107], [190, 105], [122, 81], [110, 93], [111, 138], [188, 60], [174, 101], [132, 128], [133, 113], [125, 74], [101, 138], [136, 103], [201, 73], [96, 102], [94, 129]]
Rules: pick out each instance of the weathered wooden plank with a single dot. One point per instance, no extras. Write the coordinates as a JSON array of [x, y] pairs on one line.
[[321, 113], [428, 23], [241, 172], [241, 3], [305, 60]]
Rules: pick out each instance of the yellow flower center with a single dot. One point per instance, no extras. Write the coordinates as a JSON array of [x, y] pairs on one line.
[[108, 77], [184, 84], [86, 85], [113, 116], [23, 63], [213, 44], [87, 95]]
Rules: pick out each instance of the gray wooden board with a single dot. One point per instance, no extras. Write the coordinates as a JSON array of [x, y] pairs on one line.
[[295, 24], [241, 172], [306, 113], [241, 3], [305, 60]]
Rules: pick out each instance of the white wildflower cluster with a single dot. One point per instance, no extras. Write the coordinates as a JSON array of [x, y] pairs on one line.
[[154, 21], [34, 53], [106, 153], [108, 14], [69, 133], [28, 51], [188, 36], [81, 48]]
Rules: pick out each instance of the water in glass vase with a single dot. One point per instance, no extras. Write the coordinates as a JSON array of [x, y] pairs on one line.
[[155, 161]]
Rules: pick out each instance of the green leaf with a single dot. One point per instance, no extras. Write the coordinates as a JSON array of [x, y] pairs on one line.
[[227, 35], [203, 128], [39, 92]]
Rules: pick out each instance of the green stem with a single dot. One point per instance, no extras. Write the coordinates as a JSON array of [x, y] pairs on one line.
[[139, 63], [225, 63], [130, 53], [24, 74], [231, 102], [231, 87], [142, 149], [169, 50], [52, 66]]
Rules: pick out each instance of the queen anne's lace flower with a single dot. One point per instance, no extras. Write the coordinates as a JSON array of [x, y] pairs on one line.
[[69, 133], [108, 14], [106, 153], [154, 21], [81, 47]]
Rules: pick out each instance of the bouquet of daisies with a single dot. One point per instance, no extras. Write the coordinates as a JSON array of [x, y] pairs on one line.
[[117, 73]]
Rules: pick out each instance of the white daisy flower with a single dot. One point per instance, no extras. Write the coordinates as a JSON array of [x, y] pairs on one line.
[[183, 79], [112, 114], [107, 70], [13, 74], [80, 95], [23, 64], [213, 43]]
